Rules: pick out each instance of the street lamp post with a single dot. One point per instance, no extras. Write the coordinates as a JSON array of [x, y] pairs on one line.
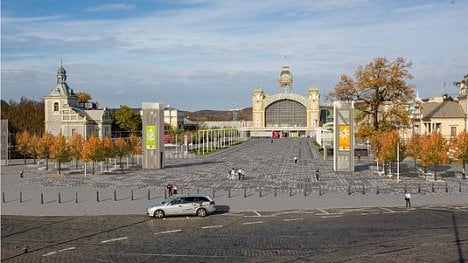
[[398, 161]]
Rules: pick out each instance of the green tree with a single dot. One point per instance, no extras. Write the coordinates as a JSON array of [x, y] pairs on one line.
[[60, 151], [381, 92], [127, 120]]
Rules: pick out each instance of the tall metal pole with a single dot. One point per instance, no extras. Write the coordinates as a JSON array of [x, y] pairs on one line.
[[398, 161]]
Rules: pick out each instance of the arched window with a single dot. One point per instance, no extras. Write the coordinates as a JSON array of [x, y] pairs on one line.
[[56, 106]]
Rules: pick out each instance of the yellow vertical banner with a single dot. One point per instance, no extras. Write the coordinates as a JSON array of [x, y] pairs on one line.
[[151, 136], [344, 137]]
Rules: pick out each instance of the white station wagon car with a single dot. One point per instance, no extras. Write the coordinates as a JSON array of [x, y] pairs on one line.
[[193, 204]]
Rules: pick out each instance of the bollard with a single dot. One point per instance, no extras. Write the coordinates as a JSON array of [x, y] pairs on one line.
[[3, 197], [446, 187], [165, 194], [245, 192], [433, 187], [275, 191], [406, 189], [25, 249], [214, 193], [320, 190], [260, 192], [59, 198], [21, 197], [290, 191], [97, 196], [76, 197], [115, 195], [132, 194], [419, 188], [459, 187], [349, 189], [42, 198], [378, 190], [149, 194], [229, 192], [305, 190], [363, 190]]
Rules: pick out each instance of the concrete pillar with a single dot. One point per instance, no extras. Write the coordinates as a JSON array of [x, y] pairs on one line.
[[153, 135]]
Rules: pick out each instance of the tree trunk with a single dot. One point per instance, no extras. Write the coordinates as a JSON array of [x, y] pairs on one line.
[[76, 163], [47, 163], [435, 172], [59, 167], [93, 167]]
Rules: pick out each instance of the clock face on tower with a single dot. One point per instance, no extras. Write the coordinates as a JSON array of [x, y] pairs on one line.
[[285, 77]]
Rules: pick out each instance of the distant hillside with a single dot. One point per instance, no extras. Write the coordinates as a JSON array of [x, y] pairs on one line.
[[214, 115]]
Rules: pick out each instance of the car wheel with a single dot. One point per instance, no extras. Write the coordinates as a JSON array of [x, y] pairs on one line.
[[201, 212], [158, 214]]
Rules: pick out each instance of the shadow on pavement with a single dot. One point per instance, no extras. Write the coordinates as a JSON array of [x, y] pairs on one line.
[[222, 209]]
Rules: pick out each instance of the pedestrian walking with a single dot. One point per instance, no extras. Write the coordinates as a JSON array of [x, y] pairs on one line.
[[240, 174], [21, 173], [317, 174], [232, 174], [174, 189], [169, 189], [408, 199], [295, 159]]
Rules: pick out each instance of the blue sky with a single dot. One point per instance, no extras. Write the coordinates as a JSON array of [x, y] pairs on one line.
[[197, 54]]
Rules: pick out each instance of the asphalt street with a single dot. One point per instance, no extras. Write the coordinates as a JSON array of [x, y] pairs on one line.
[[373, 234]]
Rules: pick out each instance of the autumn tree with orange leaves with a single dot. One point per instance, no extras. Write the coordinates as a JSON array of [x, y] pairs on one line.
[[459, 148], [93, 151], [59, 151], [45, 142], [434, 150], [134, 145], [380, 91], [109, 150], [22, 144], [121, 149], [83, 97], [75, 145]]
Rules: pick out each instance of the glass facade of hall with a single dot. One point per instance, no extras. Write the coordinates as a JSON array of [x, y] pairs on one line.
[[286, 113]]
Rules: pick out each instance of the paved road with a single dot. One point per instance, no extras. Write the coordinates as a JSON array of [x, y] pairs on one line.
[[374, 234]]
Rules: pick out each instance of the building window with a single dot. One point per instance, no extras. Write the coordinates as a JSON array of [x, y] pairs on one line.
[[453, 131], [56, 106]]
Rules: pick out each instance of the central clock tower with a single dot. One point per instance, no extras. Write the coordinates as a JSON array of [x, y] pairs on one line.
[[285, 80]]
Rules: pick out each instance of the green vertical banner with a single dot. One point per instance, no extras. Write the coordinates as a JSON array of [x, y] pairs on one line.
[[151, 136]]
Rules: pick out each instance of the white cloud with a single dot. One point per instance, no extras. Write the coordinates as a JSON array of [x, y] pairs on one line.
[[416, 8], [225, 49], [111, 7]]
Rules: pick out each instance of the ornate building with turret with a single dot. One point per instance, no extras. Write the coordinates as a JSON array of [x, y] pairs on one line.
[[285, 114], [65, 115]]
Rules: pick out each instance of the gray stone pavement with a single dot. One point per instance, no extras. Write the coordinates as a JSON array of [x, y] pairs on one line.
[[272, 182]]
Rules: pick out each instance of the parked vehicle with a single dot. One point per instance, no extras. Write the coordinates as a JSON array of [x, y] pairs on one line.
[[193, 204]]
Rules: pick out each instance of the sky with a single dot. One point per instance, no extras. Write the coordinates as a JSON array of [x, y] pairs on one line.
[[200, 54]]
